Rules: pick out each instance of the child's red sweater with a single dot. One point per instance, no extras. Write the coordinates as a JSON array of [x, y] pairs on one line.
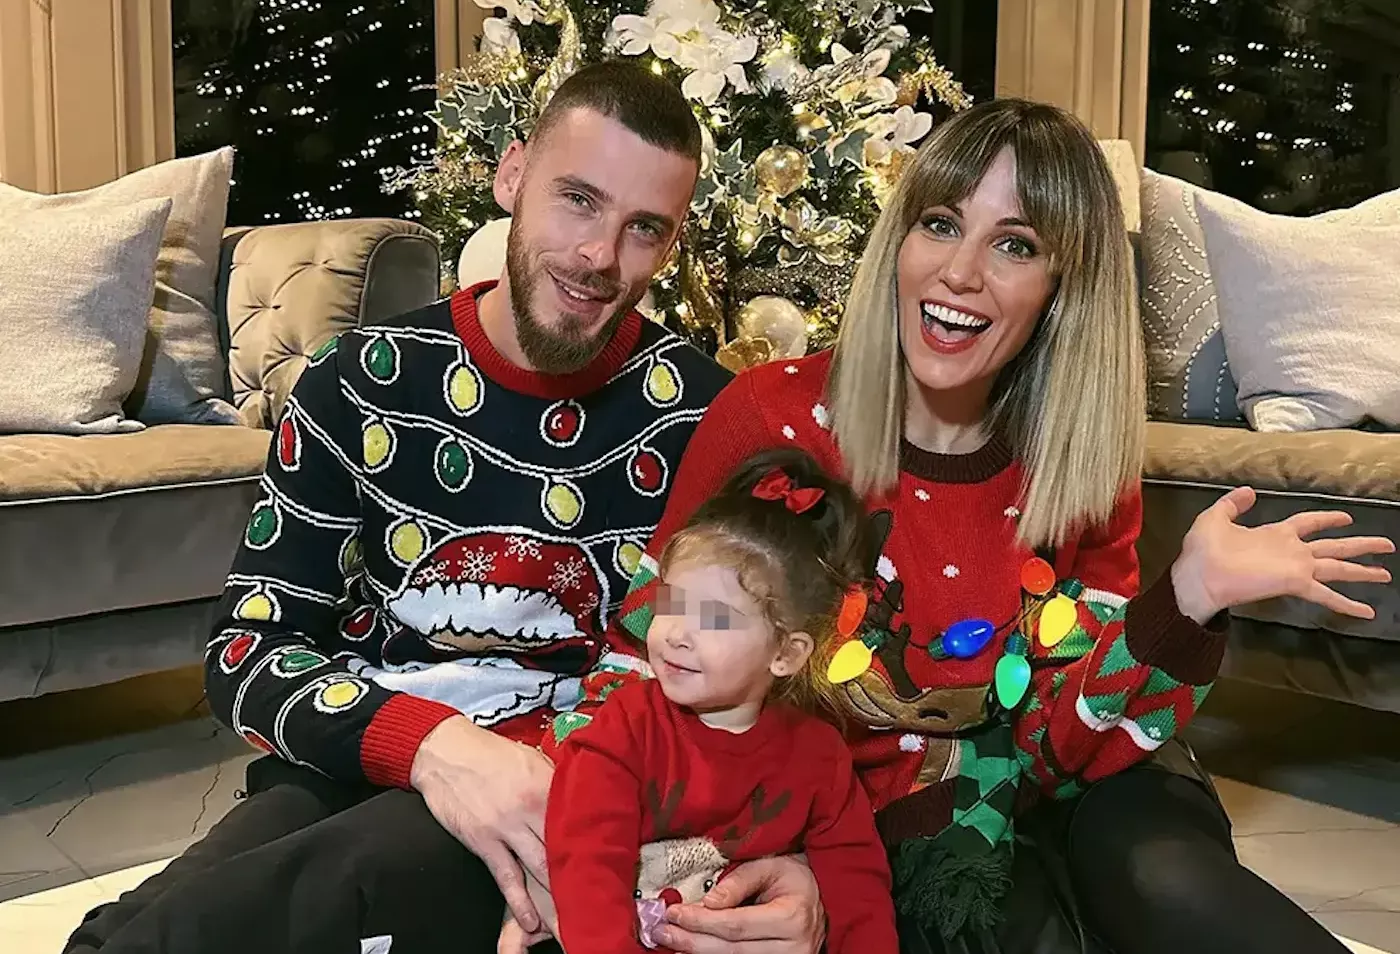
[[647, 771]]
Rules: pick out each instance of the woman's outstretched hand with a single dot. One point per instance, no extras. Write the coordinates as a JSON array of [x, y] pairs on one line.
[[1223, 564]]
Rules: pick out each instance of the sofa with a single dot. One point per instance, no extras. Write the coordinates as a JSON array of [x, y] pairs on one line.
[[114, 547], [1200, 446]]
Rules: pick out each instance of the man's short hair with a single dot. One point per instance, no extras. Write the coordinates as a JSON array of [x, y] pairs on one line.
[[648, 105]]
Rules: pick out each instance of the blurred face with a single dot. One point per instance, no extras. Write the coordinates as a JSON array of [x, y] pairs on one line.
[[710, 644], [594, 210], [973, 280]]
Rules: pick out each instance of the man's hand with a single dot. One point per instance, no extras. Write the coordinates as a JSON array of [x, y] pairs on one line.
[[490, 793], [786, 916]]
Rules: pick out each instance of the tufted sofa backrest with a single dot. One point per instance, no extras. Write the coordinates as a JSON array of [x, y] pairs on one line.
[[284, 290]]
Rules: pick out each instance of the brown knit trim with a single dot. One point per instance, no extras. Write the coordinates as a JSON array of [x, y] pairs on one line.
[[924, 813], [982, 464], [1158, 635]]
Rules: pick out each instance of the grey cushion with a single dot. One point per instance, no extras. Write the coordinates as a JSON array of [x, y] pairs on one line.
[[1189, 377], [101, 523], [75, 289]]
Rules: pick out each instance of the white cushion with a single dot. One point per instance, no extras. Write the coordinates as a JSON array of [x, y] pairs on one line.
[[1310, 311]]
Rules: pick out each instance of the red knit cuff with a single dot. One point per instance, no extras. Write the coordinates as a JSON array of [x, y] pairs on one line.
[[1160, 636], [392, 738]]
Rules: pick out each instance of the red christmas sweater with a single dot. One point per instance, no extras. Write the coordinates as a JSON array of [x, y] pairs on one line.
[[1131, 672], [649, 773]]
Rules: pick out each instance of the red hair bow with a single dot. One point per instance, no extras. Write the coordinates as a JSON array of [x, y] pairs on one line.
[[777, 485]]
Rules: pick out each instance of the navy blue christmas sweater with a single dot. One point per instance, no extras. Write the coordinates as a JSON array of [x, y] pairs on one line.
[[440, 531]]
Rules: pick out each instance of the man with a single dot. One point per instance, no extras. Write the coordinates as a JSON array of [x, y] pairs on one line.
[[453, 503]]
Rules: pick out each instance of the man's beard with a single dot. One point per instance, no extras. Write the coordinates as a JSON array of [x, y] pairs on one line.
[[568, 348]]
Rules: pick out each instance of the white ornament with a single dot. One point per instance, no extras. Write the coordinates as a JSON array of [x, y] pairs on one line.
[[922, 494], [778, 320], [951, 572], [1011, 512], [790, 369], [821, 415], [911, 743], [483, 258], [898, 130], [789, 433]]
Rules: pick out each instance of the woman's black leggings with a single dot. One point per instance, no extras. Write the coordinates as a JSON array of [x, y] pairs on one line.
[[1154, 872]]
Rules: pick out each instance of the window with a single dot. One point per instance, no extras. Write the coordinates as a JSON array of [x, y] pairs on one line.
[[1291, 106], [318, 97]]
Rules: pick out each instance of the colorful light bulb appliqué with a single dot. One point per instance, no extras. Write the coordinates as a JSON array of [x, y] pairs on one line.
[[1057, 618], [967, 638], [1013, 675], [1037, 577]]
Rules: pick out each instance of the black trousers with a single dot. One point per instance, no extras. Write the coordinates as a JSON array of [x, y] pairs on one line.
[[1141, 864]]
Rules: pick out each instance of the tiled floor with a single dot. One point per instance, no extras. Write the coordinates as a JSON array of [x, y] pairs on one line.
[[1313, 789]]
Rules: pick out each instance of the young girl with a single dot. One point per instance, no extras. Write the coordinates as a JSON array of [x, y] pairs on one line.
[[715, 761]]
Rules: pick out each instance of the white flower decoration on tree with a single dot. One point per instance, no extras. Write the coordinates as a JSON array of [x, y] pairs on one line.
[[499, 37], [714, 61], [893, 132], [523, 11], [783, 70], [687, 33]]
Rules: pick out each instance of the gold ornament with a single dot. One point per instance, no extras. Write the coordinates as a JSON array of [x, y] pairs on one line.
[[910, 86], [700, 306], [809, 124], [484, 70], [781, 170], [885, 174], [567, 60], [744, 353], [777, 321]]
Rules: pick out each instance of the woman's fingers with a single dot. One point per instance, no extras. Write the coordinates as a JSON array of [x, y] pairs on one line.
[[1340, 571], [1309, 522], [1329, 598], [1347, 548]]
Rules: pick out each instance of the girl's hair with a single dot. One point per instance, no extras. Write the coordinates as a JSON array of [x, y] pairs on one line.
[[798, 567], [1072, 404]]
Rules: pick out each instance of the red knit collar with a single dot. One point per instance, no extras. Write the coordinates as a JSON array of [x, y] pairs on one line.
[[553, 387]]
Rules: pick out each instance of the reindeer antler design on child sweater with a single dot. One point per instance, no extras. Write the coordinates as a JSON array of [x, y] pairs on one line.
[[646, 772]]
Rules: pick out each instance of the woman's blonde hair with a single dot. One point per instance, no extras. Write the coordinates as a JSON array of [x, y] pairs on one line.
[[1072, 404]]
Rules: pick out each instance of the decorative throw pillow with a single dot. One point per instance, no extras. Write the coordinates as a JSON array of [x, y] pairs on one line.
[[1310, 311], [75, 290], [183, 377], [1188, 376]]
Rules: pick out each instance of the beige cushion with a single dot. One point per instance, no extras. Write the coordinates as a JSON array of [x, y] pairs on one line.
[[1310, 311], [291, 288], [102, 523], [1344, 464], [183, 377], [1124, 165], [75, 287]]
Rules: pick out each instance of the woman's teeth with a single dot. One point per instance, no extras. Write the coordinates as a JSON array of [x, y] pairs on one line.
[[949, 324]]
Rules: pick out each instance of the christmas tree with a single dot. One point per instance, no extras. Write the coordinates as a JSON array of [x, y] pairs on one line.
[[809, 113], [320, 99], [1275, 102]]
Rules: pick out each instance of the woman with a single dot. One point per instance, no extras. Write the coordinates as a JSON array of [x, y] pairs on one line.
[[986, 397]]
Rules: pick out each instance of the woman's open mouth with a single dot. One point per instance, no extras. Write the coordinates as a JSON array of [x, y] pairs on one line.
[[949, 330]]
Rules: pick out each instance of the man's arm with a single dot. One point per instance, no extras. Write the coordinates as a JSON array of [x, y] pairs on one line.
[[270, 669]]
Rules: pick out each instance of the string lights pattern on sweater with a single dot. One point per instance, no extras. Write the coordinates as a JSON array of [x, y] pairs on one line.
[[1128, 674], [440, 531]]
